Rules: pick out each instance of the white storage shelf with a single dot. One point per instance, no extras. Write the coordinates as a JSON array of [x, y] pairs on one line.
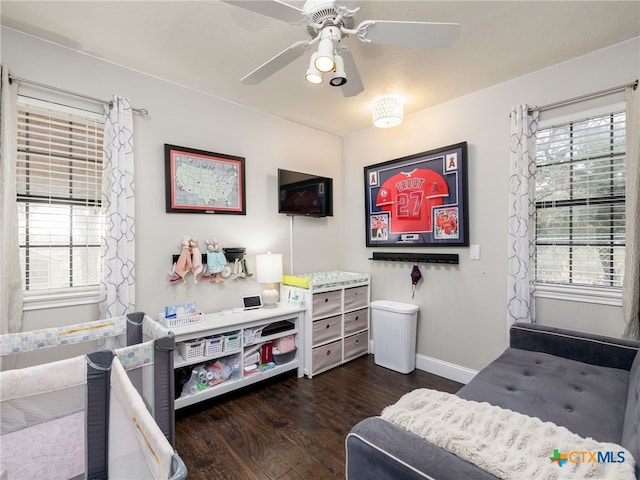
[[218, 324]]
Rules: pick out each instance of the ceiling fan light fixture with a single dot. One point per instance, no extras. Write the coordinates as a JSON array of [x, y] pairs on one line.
[[387, 112], [338, 77], [325, 61], [313, 75]]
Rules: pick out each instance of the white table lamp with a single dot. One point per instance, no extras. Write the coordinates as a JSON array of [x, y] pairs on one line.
[[269, 271]]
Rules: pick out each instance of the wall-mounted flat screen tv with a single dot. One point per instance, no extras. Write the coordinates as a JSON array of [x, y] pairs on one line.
[[304, 194]]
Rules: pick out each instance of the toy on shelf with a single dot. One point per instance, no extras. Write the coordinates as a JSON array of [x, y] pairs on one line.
[[196, 259], [216, 261]]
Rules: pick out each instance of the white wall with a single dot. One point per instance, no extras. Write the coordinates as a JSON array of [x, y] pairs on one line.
[[463, 308], [184, 117]]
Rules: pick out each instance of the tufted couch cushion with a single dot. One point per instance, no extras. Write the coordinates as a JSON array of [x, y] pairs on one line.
[[587, 399]]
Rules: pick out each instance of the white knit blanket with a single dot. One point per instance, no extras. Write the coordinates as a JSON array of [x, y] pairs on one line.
[[505, 443]]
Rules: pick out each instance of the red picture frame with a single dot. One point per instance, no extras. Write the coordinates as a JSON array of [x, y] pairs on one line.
[[198, 181]]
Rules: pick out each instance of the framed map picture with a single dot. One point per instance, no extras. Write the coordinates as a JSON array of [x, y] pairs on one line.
[[419, 200], [203, 182]]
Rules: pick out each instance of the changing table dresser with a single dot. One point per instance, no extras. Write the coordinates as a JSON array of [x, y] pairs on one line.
[[336, 323]]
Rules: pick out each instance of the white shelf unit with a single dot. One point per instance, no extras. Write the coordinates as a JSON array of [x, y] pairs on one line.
[[336, 322], [224, 324]]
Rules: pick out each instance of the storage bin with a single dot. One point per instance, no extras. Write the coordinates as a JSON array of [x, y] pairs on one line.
[[252, 335], [213, 345], [327, 303], [356, 297], [326, 330], [356, 345], [232, 342], [281, 358], [327, 356], [356, 321], [191, 349], [285, 344], [181, 320]]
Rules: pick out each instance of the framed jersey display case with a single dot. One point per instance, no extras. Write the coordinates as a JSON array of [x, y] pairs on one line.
[[419, 200]]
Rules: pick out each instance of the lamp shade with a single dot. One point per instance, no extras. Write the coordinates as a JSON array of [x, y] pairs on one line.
[[269, 271], [387, 112], [269, 268]]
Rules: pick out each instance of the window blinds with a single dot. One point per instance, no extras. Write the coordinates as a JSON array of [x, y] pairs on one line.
[[580, 195], [59, 182]]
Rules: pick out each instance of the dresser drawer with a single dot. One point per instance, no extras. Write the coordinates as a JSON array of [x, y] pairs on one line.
[[327, 356], [355, 297], [356, 345], [356, 321], [326, 329], [327, 303]]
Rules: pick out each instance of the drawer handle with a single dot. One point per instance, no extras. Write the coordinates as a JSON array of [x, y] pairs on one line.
[[328, 352], [328, 326], [356, 318], [326, 300], [357, 342]]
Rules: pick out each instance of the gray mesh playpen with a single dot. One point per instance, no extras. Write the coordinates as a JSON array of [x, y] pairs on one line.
[[84, 415]]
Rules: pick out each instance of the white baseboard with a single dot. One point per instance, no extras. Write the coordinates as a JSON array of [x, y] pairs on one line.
[[445, 369], [440, 367]]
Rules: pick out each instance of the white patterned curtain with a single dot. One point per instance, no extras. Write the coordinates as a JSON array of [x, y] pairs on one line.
[[118, 257], [11, 301], [521, 235], [631, 287]]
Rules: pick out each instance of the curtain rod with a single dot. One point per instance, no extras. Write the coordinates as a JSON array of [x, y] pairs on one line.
[[140, 111], [587, 96]]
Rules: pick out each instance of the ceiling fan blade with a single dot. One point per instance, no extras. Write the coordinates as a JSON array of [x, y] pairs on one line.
[[409, 34], [354, 83], [271, 8], [274, 64]]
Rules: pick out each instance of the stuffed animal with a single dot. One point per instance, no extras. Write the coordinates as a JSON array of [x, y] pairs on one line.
[[183, 265], [216, 261], [196, 259]]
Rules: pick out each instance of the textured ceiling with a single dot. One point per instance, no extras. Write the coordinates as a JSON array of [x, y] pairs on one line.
[[209, 45]]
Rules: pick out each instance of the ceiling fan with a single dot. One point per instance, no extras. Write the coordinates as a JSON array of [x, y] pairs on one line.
[[328, 22]]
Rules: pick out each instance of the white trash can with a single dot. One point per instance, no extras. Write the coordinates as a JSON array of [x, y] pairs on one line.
[[394, 334]]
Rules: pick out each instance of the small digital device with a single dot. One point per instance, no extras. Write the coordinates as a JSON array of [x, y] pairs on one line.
[[250, 302]]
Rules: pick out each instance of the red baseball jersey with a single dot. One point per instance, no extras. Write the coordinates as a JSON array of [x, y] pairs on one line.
[[410, 197]]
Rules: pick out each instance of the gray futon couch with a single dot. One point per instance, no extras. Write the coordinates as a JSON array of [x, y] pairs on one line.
[[587, 383]]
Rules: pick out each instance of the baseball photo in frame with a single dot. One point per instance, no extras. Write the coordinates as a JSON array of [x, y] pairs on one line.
[[419, 200]]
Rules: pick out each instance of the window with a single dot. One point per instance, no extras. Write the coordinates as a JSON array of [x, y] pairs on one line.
[[59, 183], [580, 203]]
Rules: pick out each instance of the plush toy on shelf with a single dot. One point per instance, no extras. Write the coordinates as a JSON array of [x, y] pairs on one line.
[[196, 259], [216, 261]]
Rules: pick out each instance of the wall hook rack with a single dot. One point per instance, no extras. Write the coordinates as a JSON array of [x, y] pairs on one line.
[[450, 258]]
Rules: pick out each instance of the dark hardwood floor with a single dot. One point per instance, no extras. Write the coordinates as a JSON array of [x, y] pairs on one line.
[[289, 428]]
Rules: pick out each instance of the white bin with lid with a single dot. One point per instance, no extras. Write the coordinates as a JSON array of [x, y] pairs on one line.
[[394, 334]]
